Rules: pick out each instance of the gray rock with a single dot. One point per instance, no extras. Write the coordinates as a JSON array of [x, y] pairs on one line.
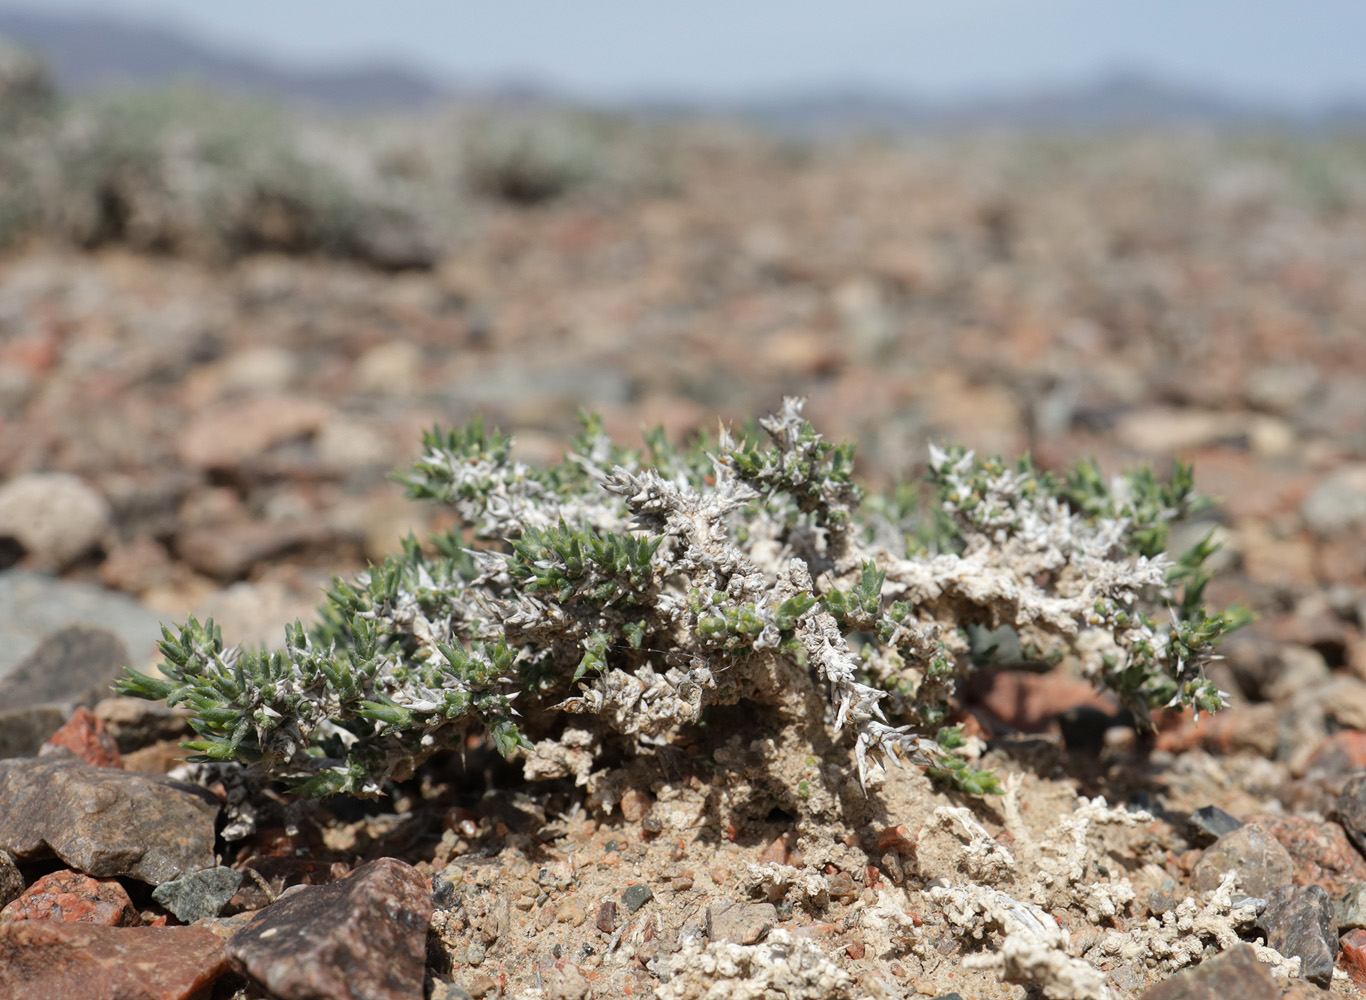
[[1338, 503], [103, 821], [72, 667], [33, 605], [1214, 822], [1260, 860], [198, 895], [636, 896], [364, 936], [740, 923], [1299, 921], [53, 516], [1235, 973], [11, 880], [1351, 908], [1351, 810]]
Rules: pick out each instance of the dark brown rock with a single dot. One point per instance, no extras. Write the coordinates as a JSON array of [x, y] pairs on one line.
[[1261, 862], [1321, 852], [56, 961], [267, 876], [360, 938], [1235, 973], [1299, 922], [71, 897], [104, 821]]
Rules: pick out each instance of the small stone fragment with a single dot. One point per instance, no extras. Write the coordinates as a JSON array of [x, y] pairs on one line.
[[85, 736], [57, 961], [635, 804], [1213, 822], [740, 923], [1261, 862], [11, 880], [104, 821], [70, 897], [198, 895], [363, 937], [636, 896], [776, 853], [606, 920], [1235, 973], [1299, 921]]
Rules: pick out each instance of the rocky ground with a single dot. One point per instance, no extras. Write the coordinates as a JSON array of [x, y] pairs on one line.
[[213, 438]]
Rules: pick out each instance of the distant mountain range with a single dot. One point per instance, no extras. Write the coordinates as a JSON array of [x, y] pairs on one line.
[[90, 52]]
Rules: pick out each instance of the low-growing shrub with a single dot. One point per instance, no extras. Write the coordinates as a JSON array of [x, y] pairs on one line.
[[591, 611]]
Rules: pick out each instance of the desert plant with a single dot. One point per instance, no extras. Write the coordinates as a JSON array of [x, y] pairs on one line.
[[611, 600]]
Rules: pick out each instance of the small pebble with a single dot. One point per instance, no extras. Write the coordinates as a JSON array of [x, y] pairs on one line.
[[606, 920], [636, 896]]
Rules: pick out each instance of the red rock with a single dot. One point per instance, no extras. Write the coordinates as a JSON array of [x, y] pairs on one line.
[[85, 736], [70, 897], [1352, 957], [1321, 852], [56, 961]]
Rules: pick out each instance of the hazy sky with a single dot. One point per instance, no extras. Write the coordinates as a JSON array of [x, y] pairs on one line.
[[1292, 51]]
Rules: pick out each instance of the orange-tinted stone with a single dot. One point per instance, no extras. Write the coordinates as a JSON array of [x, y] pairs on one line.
[[70, 897]]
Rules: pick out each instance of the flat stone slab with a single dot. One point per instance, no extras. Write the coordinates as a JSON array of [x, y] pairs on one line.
[[104, 821]]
